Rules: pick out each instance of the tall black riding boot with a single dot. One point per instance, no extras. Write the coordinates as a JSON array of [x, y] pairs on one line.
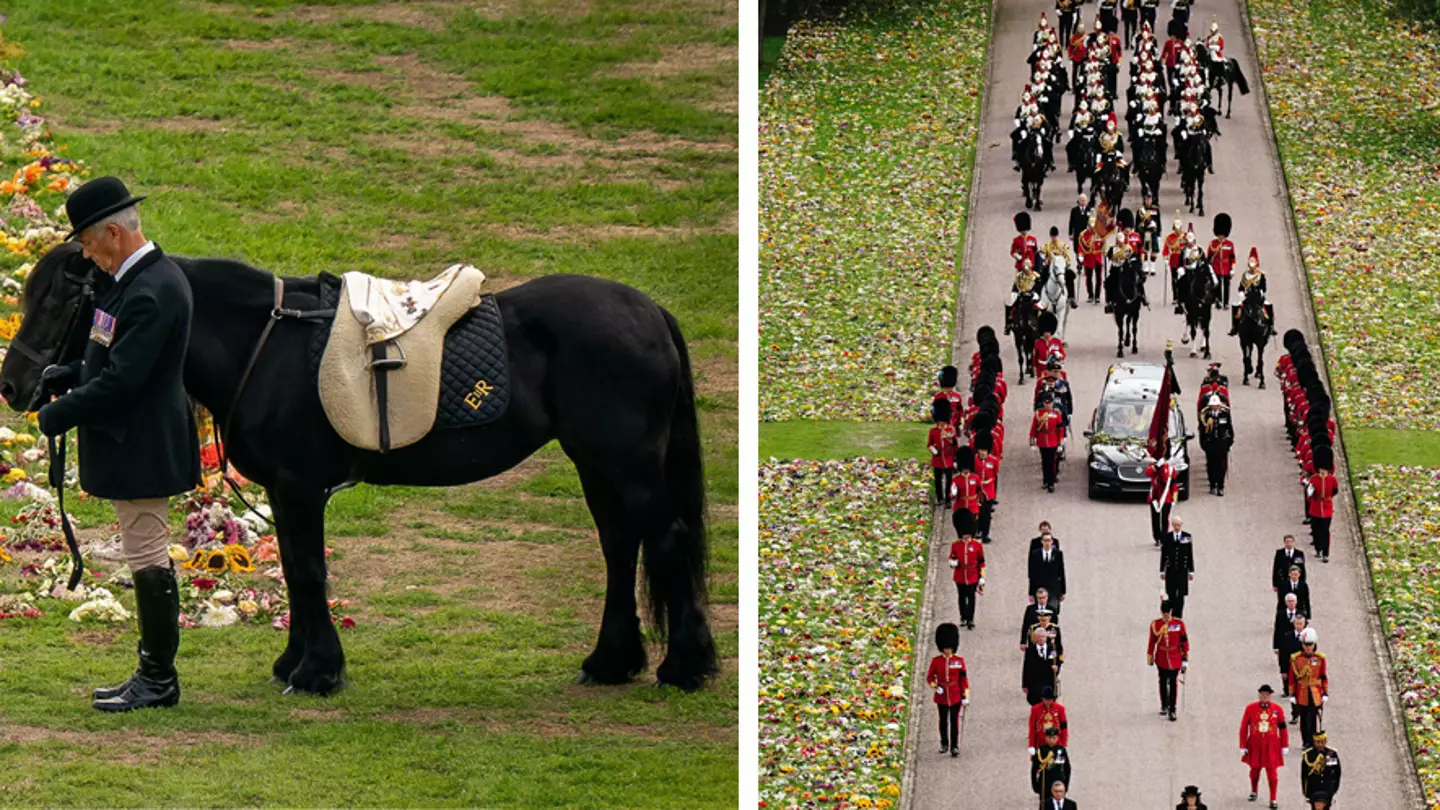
[[155, 683]]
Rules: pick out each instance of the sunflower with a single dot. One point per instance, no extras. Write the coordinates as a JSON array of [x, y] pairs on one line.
[[197, 562], [239, 558], [217, 563]]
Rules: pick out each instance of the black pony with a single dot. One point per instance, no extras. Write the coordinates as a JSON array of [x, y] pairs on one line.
[[1254, 332], [1111, 181], [1033, 167], [1124, 294], [1195, 291], [1221, 77], [1193, 163], [1081, 151], [1025, 326], [594, 364], [1150, 165]]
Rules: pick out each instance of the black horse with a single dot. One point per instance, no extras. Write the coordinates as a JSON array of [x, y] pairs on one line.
[[1033, 167], [1150, 165], [1254, 332], [1222, 78], [1111, 182], [1081, 151], [1124, 294], [1193, 163], [1195, 291], [594, 364], [1025, 326]]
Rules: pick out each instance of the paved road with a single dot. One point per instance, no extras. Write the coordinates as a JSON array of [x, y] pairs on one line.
[[1126, 756]]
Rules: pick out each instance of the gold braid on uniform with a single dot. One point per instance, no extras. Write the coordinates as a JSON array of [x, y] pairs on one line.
[[1045, 763], [1316, 766]]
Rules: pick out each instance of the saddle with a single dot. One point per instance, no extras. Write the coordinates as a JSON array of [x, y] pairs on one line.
[[394, 349]]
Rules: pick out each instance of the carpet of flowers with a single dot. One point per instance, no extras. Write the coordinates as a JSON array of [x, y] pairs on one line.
[[842, 562], [866, 130], [1402, 531], [1354, 96]]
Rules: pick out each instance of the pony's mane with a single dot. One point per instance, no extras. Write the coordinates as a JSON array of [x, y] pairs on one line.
[[236, 282]]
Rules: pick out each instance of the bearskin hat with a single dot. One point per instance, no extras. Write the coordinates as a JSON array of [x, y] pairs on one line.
[[964, 458], [983, 333], [949, 375], [1126, 218], [1305, 372], [991, 364], [1022, 221], [1293, 338], [1315, 391], [1324, 457], [1222, 224], [1048, 322], [983, 423], [1317, 424], [1177, 29], [1299, 353], [947, 637], [940, 410], [983, 441]]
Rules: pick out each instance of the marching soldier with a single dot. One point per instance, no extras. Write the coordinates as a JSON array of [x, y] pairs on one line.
[[1041, 669], [1046, 713], [965, 493], [1319, 770], [1221, 254], [967, 558], [1049, 764], [1217, 433], [1092, 249], [1264, 743], [951, 683], [942, 445], [1168, 649], [1309, 685], [1047, 431], [987, 467], [1163, 492], [1320, 491], [1177, 565], [948, 379], [1173, 248]]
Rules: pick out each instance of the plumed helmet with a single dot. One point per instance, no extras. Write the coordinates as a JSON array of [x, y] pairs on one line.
[[983, 440], [1309, 636], [1022, 221], [964, 459], [1324, 457], [1293, 338], [940, 410], [1215, 401], [947, 637], [1222, 224], [1255, 254], [1126, 218], [1048, 322], [949, 375]]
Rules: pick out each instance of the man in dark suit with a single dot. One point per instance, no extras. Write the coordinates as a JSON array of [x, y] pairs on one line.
[[1285, 557], [1032, 614], [1044, 530], [1047, 570], [1057, 800], [1079, 221], [1177, 565], [1296, 585], [1041, 668], [138, 444], [1287, 643]]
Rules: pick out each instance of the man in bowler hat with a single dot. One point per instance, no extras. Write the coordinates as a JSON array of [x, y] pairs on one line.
[[138, 444]]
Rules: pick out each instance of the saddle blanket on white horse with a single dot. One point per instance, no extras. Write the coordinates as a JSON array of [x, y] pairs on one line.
[[388, 309]]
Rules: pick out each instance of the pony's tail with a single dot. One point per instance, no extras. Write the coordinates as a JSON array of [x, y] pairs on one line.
[[1240, 78]]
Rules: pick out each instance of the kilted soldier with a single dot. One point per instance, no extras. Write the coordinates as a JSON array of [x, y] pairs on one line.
[[942, 446], [1221, 254], [1049, 764], [951, 683], [1264, 743], [1041, 670], [1177, 565], [1108, 21], [1163, 492], [1320, 491], [1168, 650], [1320, 770], [1047, 431], [967, 558], [1148, 226], [137, 436], [965, 493], [987, 467], [1309, 685], [1046, 712], [1217, 433]]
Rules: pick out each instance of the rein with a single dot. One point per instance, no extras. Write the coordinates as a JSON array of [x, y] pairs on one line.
[[277, 312]]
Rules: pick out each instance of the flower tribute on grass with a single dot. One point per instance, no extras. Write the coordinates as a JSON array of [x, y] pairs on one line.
[[1401, 518], [1353, 96], [842, 566], [866, 131]]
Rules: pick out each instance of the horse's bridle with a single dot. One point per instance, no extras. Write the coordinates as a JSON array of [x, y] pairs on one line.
[[57, 445]]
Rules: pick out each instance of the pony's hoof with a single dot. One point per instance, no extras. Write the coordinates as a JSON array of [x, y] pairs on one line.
[[312, 679], [1134, 349], [1194, 353]]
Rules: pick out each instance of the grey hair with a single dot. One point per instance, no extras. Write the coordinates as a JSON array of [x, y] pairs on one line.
[[127, 218]]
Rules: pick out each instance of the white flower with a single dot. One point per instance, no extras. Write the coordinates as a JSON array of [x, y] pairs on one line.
[[216, 615], [104, 609], [6, 434]]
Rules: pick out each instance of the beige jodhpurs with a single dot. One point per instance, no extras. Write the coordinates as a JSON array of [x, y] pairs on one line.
[[144, 532]]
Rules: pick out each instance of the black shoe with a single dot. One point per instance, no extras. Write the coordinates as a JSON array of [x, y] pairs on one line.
[[1233, 332], [970, 625], [1325, 558], [107, 692], [1172, 715], [1274, 805], [1306, 521], [1254, 796], [985, 540], [1220, 492], [954, 750], [944, 749], [1163, 711], [157, 605], [1049, 487], [1074, 304], [1179, 310]]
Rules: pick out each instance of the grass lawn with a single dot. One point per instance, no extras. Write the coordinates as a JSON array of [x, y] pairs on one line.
[[841, 440], [770, 49], [526, 137]]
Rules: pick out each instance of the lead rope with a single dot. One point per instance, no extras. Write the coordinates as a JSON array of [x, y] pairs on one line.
[[57, 480]]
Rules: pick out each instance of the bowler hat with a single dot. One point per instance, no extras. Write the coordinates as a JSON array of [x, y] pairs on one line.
[[1190, 790], [1266, 688], [1047, 692], [97, 199]]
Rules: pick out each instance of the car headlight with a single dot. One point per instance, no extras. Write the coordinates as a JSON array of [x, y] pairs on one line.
[[1102, 464]]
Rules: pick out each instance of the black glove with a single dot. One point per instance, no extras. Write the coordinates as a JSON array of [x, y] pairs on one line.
[[46, 420], [58, 380]]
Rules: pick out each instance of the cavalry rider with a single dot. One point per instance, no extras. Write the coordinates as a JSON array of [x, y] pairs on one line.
[[1058, 249], [1194, 127], [1215, 44], [1309, 681], [1112, 143], [1040, 127], [1253, 279], [948, 679], [1217, 434], [1221, 255], [1193, 260], [942, 444], [1024, 284], [1152, 128], [1118, 256], [1168, 650], [1047, 431], [1163, 492], [1092, 250], [1081, 128]]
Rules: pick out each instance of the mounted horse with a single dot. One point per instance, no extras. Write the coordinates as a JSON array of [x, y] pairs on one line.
[[1196, 289], [636, 445], [1025, 326], [1111, 180], [1221, 78], [1254, 332], [1053, 295], [1193, 163], [1124, 295], [1033, 166], [1081, 151], [1150, 165]]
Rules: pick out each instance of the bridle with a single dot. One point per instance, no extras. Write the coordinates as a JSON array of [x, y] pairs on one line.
[[57, 444]]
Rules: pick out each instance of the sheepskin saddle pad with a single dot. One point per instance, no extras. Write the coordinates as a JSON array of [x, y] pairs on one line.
[[401, 359]]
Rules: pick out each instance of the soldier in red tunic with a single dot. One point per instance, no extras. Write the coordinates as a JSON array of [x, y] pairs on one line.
[[942, 446], [1173, 248], [1163, 492], [1092, 259], [1309, 682], [949, 378], [1264, 742], [965, 493], [1047, 431], [1047, 714], [1168, 649], [967, 558], [1221, 254], [987, 467], [1024, 246], [1320, 491], [951, 683], [1214, 383], [1047, 345]]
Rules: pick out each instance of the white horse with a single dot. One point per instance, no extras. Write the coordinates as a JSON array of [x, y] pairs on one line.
[[1053, 296]]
